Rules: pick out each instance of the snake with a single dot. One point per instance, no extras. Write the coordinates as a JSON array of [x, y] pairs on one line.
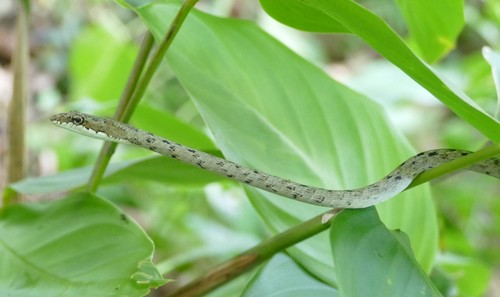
[[387, 187]]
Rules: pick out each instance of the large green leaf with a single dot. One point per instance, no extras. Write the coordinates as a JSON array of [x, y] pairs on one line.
[[301, 16], [371, 260], [160, 169], [164, 170], [270, 109], [64, 181], [168, 126], [77, 246], [434, 25], [376, 33], [281, 277]]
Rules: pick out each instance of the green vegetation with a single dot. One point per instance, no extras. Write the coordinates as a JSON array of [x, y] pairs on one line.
[[126, 221]]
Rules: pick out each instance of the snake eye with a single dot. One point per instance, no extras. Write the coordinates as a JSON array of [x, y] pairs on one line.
[[77, 120]]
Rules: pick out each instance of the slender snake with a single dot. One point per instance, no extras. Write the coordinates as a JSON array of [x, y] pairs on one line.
[[392, 184]]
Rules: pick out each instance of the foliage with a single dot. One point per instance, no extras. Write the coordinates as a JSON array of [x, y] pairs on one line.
[[266, 107], [97, 238]]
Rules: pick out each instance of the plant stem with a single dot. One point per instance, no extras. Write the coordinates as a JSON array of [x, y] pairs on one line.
[[108, 148], [256, 255], [16, 116], [137, 85], [457, 164], [157, 57]]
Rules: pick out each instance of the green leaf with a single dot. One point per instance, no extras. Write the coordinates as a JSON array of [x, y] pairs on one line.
[[99, 64], [371, 260], [433, 25], [166, 125], [376, 33], [164, 170], [160, 169], [64, 181], [77, 246], [493, 59], [282, 277], [270, 109], [148, 275], [302, 16]]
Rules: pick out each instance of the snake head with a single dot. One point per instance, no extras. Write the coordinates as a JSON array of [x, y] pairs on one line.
[[67, 118], [89, 125]]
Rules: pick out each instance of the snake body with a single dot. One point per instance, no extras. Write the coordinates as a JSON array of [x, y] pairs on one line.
[[392, 184]]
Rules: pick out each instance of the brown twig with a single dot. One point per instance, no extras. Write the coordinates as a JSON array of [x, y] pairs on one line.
[[258, 254]]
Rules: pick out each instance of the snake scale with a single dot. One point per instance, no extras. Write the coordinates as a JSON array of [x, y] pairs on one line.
[[392, 184]]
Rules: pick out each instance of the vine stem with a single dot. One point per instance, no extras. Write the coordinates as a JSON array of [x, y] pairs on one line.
[[136, 87], [457, 164], [157, 57], [252, 257], [256, 255], [108, 148]]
